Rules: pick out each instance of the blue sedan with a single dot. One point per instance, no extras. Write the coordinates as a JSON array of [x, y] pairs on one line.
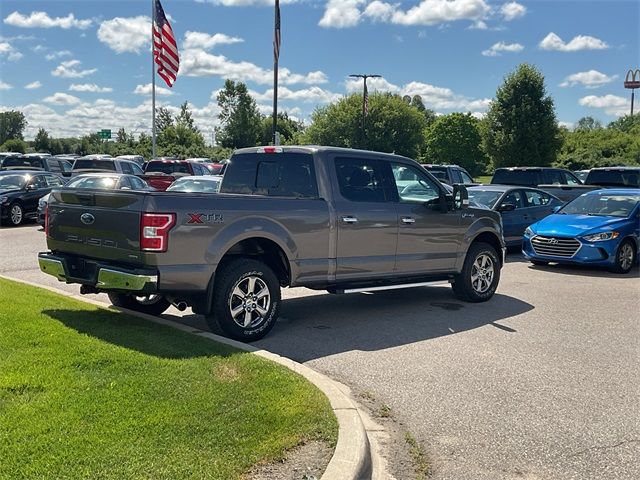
[[518, 206], [601, 227]]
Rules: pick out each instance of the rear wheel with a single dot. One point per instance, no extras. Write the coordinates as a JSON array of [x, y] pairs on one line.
[[149, 304], [480, 274], [625, 257], [16, 214], [246, 300]]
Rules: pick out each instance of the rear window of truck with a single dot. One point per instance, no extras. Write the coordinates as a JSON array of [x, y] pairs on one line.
[[614, 178], [95, 165], [516, 177], [167, 167], [29, 162], [278, 175]]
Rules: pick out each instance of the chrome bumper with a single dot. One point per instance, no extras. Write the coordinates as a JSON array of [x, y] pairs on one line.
[[106, 278]]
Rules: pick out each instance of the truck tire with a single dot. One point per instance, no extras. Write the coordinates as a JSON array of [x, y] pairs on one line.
[[151, 304], [625, 257], [246, 300], [478, 280]]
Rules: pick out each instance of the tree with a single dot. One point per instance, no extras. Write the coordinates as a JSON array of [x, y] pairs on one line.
[[587, 123], [429, 115], [14, 145], [180, 137], [625, 123], [239, 116], [392, 125], [12, 125], [288, 129], [163, 119], [185, 118], [42, 141], [522, 126], [455, 139]]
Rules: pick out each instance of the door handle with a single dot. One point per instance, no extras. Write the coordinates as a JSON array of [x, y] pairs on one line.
[[408, 220], [349, 219]]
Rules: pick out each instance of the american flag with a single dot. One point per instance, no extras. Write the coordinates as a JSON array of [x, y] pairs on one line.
[[276, 34], [165, 49], [366, 99]]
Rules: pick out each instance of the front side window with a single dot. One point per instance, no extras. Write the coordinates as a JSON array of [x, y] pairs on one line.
[[54, 166], [413, 185], [466, 179], [136, 169], [514, 198], [362, 180], [126, 168]]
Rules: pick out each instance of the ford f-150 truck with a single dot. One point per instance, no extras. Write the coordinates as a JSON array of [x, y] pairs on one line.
[[320, 217]]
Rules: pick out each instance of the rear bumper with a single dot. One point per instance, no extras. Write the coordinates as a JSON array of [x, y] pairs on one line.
[[97, 274]]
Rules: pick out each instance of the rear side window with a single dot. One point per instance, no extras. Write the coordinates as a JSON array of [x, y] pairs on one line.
[[362, 179], [95, 165], [516, 177], [54, 166], [53, 181], [126, 168], [537, 199], [279, 175]]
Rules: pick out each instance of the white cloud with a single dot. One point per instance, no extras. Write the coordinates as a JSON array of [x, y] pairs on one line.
[[59, 54], [512, 10], [8, 50], [589, 79], [33, 85], [496, 48], [312, 94], [60, 98], [611, 104], [373, 84], [68, 70], [89, 87], [126, 34], [432, 12], [379, 11], [580, 42], [206, 41], [244, 3], [43, 20], [5, 86], [198, 63], [341, 13], [146, 90]]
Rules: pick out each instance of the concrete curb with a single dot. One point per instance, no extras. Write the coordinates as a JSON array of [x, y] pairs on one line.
[[352, 458]]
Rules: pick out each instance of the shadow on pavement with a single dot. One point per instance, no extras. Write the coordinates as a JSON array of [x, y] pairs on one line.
[[586, 271], [137, 334], [321, 325]]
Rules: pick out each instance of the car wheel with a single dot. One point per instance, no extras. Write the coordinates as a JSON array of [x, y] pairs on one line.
[[480, 274], [16, 214], [625, 257], [149, 304], [246, 300], [540, 263]]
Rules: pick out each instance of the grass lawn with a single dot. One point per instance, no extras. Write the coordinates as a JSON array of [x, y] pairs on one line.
[[485, 179], [89, 393]]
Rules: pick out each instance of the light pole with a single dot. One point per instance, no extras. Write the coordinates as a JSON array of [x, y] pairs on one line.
[[632, 81], [365, 99]]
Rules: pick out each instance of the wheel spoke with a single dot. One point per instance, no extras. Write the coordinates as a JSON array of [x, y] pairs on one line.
[[251, 285], [262, 293], [261, 311], [247, 318], [237, 292], [237, 311]]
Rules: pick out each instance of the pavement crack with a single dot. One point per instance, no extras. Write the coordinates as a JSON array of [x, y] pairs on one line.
[[604, 447]]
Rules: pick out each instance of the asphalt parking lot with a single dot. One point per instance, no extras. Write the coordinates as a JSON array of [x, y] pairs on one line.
[[542, 382]]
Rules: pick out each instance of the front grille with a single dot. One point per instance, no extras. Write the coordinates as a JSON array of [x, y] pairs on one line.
[[555, 246]]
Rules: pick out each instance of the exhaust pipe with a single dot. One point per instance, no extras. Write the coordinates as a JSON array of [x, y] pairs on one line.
[[180, 305]]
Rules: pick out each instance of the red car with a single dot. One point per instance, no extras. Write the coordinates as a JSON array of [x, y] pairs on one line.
[[160, 173]]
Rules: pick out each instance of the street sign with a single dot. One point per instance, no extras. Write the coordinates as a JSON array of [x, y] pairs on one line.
[[105, 134]]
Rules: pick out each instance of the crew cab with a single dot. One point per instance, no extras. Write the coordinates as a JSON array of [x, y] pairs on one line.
[[325, 218], [45, 163], [450, 174], [601, 177], [161, 173]]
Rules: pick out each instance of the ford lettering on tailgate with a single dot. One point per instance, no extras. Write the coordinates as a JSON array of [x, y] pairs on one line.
[[94, 242]]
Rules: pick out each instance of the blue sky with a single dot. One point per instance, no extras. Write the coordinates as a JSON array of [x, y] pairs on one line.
[[75, 67]]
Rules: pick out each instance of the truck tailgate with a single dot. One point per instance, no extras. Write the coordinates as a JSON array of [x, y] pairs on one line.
[[96, 224]]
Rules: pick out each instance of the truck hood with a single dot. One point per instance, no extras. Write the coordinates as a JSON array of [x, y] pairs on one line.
[[574, 225]]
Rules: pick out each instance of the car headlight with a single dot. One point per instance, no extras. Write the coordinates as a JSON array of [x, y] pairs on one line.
[[601, 237], [4, 199], [528, 232]]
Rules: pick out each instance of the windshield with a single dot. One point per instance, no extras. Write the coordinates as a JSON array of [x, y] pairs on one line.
[[22, 162], [168, 168], [195, 185], [95, 165], [603, 204], [618, 178], [484, 197], [100, 183], [439, 172], [11, 182]]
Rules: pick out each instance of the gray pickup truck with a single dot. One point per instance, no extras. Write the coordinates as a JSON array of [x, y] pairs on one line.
[[320, 217]]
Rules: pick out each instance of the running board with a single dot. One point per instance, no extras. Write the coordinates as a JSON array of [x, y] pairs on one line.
[[392, 287]]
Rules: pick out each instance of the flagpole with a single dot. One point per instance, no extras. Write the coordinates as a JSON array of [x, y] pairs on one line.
[[153, 85], [275, 73]]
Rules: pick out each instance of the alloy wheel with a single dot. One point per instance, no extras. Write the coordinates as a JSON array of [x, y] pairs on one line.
[[482, 273], [16, 214], [625, 257], [249, 302]]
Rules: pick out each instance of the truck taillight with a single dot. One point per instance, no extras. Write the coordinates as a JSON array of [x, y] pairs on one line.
[[46, 220], [154, 231]]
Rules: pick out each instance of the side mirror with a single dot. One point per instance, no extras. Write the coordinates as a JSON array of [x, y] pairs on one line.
[[506, 207], [557, 208], [30, 187], [460, 196]]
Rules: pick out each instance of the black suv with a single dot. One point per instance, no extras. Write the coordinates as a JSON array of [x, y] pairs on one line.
[[450, 174], [20, 191], [57, 166], [534, 176]]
